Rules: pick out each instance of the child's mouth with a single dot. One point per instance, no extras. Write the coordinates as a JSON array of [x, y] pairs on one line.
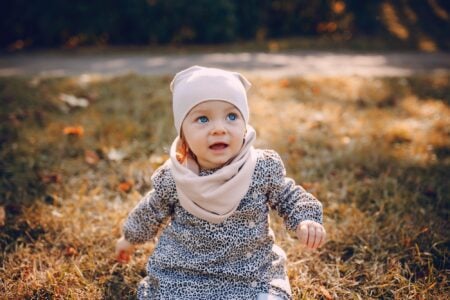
[[218, 146]]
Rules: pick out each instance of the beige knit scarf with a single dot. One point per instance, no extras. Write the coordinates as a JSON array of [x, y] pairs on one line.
[[214, 197]]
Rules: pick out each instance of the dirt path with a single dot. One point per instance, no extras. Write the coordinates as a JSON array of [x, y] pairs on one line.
[[265, 64]]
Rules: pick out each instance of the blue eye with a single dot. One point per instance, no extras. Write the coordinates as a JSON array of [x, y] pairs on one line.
[[202, 119], [232, 117]]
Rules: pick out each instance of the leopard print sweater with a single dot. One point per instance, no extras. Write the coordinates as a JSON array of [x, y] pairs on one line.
[[236, 259]]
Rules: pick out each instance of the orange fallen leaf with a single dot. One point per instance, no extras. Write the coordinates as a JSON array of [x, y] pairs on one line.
[[284, 83], [74, 130], [123, 257], [292, 138], [315, 90], [325, 293], [125, 186], [91, 157], [70, 251], [116, 155]]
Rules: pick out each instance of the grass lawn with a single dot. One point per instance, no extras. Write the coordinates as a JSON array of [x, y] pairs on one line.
[[376, 152]]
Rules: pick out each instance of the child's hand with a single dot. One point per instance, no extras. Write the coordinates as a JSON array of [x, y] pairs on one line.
[[311, 234], [124, 250]]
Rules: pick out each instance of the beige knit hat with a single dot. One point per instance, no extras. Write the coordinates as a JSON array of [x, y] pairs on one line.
[[198, 84]]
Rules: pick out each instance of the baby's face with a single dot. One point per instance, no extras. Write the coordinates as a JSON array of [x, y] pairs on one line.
[[214, 131]]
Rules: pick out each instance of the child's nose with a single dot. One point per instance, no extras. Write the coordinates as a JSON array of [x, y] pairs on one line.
[[218, 128]]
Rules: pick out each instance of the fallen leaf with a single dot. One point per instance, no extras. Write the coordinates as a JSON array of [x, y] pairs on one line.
[[125, 186], [284, 83], [116, 155], [123, 257], [91, 157], [291, 138], [325, 293], [74, 130], [70, 251], [73, 101], [315, 90]]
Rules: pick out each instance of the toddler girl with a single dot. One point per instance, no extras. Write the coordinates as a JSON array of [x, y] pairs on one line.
[[216, 191]]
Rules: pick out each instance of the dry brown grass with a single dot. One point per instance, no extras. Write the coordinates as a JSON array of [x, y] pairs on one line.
[[375, 151]]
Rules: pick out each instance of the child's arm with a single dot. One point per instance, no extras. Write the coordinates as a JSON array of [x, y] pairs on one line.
[[144, 221], [301, 211]]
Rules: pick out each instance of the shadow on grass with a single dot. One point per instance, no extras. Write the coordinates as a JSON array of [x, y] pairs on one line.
[[116, 287]]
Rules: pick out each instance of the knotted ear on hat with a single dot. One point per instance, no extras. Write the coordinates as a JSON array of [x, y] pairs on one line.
[[197, 84]]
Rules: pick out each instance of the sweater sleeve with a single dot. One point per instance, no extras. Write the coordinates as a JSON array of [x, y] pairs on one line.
[[291, 201], [144, 221]]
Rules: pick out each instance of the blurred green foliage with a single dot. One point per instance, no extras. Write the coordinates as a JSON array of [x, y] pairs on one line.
[[49, 23]]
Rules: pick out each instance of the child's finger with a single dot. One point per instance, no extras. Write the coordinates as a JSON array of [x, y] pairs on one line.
[[316, 239], [322, 237], [302, 233], [320, 233], [311, 236]]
